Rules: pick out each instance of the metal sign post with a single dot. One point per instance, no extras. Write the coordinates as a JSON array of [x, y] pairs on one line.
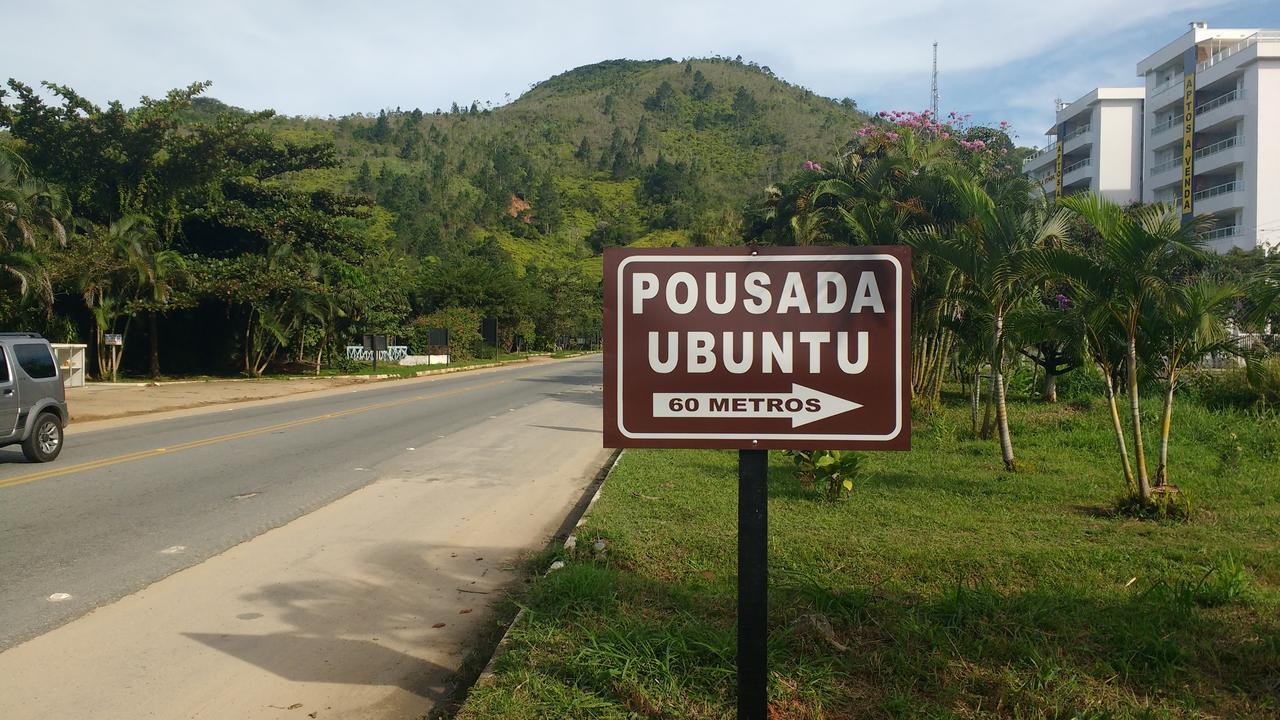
[[114, 341], [375, 343], [751, 350], [753, 584]]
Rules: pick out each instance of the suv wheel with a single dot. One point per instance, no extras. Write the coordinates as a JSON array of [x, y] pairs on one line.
[[45, 441]]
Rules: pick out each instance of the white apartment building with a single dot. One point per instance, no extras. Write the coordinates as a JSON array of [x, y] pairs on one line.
[[1101, 146], [1213, 131]]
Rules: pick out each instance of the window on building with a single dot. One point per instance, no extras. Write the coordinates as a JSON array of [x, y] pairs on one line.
[[35, 359]]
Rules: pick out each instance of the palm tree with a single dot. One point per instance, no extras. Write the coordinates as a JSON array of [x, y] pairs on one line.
[[33, 218], [1192, 326], [112, 272], [156, 270], [991, 249], [1134, 265]]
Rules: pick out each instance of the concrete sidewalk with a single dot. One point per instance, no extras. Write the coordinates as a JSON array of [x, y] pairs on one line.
[[102, 401]]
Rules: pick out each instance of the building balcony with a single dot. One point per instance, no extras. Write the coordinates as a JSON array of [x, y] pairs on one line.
[[1219, 101], [1265, 36], [1165, 95], [1216, 199], [1216, 156], [1216, 190], [1228, 60], [1041, 157], [1220, 109], [1073, 172], [1077, 139], [1077, 132], [1164, 166], [1165, 139], [1175, 81], [1174, 121], [1223, 239]]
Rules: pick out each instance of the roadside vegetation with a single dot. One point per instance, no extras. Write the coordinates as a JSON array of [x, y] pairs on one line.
[[219, 240], [942, 587]]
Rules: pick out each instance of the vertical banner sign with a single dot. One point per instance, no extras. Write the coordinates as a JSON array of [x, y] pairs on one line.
[[1188, 132], [1057, 166]]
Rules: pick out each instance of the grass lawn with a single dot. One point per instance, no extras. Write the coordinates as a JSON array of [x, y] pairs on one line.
[[950, 588]]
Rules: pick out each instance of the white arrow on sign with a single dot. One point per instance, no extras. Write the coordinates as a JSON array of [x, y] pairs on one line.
[[802, 405]]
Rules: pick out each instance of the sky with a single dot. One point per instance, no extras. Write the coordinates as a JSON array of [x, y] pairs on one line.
[[997, 60]]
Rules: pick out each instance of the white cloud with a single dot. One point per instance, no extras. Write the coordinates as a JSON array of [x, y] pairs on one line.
[[323, 57]]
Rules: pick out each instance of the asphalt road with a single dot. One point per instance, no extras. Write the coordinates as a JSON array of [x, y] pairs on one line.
[[124, 507]]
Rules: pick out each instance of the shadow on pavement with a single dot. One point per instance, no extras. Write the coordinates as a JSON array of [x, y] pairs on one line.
[[377, 628]]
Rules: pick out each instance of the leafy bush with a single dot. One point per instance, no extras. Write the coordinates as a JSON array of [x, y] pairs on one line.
[[1239, 388], [1083, 383], [463, 325], [1264, 378], [1171, 505], [833, 470], [344, 364]]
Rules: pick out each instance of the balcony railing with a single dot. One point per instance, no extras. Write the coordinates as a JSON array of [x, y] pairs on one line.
[[1041, 151], [1175, 80], [1077, 132], [1166, 165], [1244, 44], [1165, 124], [1222, 232], [1233, 141], [1217, 190], [1220, 101], [1076, 166]]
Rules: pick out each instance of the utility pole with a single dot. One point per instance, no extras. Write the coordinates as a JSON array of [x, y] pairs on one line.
[[933, 95]]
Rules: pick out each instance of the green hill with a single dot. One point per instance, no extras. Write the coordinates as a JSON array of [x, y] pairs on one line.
[[621, 152]]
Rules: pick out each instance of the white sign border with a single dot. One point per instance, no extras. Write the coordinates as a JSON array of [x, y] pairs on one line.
[[897, 390]]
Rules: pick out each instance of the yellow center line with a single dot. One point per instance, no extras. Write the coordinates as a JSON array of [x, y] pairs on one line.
[[142, 454]]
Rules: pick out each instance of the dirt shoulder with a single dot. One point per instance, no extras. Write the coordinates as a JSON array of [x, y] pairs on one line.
[[102, 401]]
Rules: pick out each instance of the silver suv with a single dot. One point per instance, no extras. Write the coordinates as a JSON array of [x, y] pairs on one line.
[[33, 405]]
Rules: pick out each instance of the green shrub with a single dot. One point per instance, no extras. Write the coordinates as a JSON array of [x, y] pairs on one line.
[[463, 325], [344, 364], [834, 471], [1083, 383], [1237, 387], [1264, 377], [1171, 506]]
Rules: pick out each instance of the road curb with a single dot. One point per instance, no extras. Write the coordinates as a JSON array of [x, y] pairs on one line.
[[569, 543], [287, 378], [231, 403]]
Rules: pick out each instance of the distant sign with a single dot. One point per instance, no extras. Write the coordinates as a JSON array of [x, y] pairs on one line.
[[373, 342], [787, 348], [112, 339], [437, 337]]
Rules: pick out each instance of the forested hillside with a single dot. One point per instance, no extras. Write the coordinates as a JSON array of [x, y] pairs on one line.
[[220, 239], [620, 152]]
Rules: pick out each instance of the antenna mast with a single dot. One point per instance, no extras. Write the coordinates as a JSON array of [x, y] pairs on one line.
[[933, 96]]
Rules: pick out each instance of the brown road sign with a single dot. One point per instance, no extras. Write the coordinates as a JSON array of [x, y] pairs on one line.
[[758, 348]]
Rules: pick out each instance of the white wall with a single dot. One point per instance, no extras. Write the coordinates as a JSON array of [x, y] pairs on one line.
[[1119, 173], [1262, 131]]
